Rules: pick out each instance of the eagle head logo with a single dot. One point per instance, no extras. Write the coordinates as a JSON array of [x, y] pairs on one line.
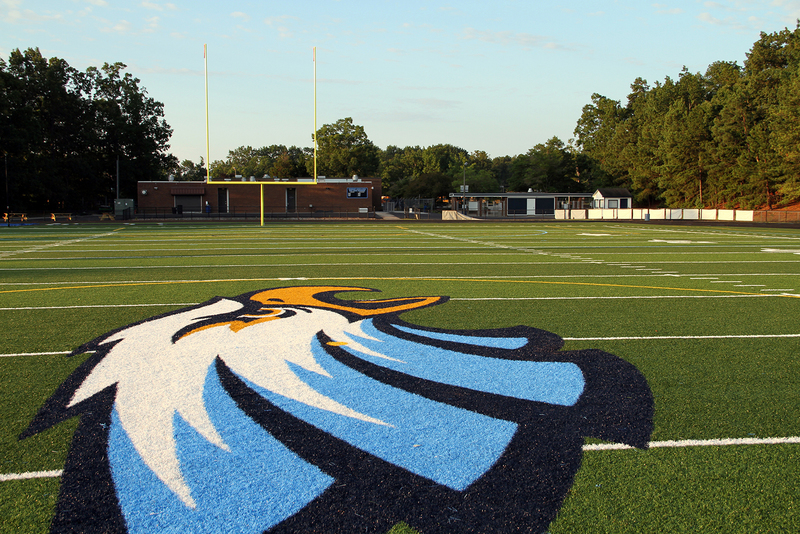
[[290, 410]]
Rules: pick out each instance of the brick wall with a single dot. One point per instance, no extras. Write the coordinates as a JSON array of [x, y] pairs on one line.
[[245, 196]]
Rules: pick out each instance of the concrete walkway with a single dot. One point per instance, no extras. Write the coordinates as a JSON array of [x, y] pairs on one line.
[[386, 216]]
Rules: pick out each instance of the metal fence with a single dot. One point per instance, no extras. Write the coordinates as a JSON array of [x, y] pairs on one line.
[[252, 213]]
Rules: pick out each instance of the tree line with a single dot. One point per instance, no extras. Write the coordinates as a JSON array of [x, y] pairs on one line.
[[344, 150], [727, 138], [62, 132]]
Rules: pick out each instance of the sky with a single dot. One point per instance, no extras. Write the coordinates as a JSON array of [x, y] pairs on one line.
[[500, 76]]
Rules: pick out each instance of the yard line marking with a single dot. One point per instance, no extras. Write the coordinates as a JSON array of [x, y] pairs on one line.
[[646, 338], [634, 297], [53, 353], [33, 474], [494, 280], [101, 306], [37, 248], [700, 232], [696, 443], [592, 447], [625, 297], [59, 353]]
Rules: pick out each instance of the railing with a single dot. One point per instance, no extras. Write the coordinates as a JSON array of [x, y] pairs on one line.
[[252, 213], [546, 213]]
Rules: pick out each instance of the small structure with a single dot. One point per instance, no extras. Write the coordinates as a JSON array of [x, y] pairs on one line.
[[530, 204], [612, 198], [280, 196]]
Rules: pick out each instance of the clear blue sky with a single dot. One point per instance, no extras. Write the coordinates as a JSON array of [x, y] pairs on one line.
[[497, 76]]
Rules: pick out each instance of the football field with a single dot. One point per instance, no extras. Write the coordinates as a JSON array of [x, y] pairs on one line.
[[708, 315]]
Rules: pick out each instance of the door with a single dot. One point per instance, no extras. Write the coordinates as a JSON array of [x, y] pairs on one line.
[[222, 200], [291, 199]]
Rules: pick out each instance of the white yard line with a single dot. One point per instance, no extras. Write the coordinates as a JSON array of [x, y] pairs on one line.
[[596, 447], [53, 353], [644, 338], [623, 297], [696, 443], [612, 338], [37, 248], [100, 306], [28, 476]]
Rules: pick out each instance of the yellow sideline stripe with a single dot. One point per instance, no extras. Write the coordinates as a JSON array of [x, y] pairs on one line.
[[303, 279]]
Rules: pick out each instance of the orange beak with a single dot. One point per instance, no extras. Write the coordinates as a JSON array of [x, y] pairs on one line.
[[322, 297]]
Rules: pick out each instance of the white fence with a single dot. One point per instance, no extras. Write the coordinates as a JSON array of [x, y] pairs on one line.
[[658, 214]]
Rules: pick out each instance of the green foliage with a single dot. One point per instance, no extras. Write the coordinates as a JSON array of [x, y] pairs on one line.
[[429, 185], [726, 138], [274, 160], [344, 150], [63, 131], [478, 181], [190, 171], [546, 167]]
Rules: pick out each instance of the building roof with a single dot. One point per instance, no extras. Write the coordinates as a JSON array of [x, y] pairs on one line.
[[612, 192]]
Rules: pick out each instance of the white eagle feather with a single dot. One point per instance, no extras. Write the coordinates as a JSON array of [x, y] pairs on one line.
[[157, 377]]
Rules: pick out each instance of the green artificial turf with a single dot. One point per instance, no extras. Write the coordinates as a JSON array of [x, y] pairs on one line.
[[738, 489], [62, 286]]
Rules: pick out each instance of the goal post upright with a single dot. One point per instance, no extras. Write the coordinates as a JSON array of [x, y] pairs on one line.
[[315, 114], [261, 184], [208, 147]]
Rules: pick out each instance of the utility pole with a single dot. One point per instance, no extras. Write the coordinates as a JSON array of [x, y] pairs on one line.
[[8, 204]]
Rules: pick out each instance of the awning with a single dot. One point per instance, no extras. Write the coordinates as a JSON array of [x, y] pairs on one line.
[[188, 190]]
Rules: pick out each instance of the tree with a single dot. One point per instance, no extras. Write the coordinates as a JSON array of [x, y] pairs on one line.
[[190, 171], [343, 150], [274, 160], [443, 159], [393, 166], [130, 126], [436, 185], [546, 167], [477, 180], [785, 140], [41, 108], [63, 130]]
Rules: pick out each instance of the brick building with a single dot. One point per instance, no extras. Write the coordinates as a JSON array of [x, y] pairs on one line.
[[239, 195]]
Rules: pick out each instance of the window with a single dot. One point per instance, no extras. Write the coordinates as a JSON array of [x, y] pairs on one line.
[[189, 202], [613, 204], [356, 192]]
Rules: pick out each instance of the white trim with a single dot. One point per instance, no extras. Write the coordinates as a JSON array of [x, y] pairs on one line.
[[124, 306], [645, 338], [725, 442], [27, 476]]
